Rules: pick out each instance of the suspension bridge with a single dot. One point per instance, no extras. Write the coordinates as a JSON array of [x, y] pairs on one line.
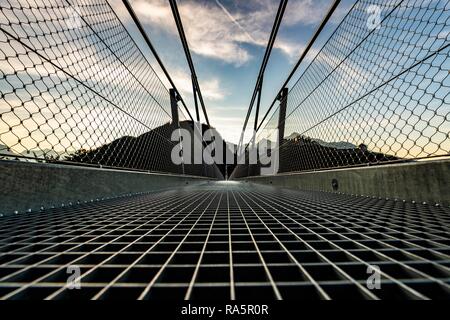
[[359, 134]]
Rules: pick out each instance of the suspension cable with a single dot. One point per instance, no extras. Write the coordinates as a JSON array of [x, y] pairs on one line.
[[259, 80], [179, 24], [153, 50], [302, 57]]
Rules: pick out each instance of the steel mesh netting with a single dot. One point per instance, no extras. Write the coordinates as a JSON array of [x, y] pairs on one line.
[[228, 241], [76, 87], [377, 91]]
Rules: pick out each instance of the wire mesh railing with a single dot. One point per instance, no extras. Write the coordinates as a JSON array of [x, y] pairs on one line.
[[76, 87], [377, 91]]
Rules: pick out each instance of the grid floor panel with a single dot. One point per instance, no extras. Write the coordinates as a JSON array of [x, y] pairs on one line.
[[228, 241]]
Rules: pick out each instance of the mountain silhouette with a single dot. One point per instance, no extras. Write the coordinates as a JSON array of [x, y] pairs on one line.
[[150, 151], [299, 153], [304, 153]]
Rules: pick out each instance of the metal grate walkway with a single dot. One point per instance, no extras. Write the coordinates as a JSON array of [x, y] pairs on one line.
[[228, 240]]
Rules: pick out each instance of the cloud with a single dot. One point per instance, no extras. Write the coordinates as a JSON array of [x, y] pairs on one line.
[[230, 16], [211, 87], [213, 31], [158, 14], [307, 12], [208, 30], [290, 49], [228, 119], [300, 12]]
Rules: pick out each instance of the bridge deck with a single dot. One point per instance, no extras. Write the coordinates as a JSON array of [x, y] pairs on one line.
[[228, 240]]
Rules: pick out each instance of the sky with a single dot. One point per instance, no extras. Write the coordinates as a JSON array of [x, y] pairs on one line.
[[227, 39]]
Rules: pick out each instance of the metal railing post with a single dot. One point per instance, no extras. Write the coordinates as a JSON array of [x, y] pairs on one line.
[[282, 116], [174, 98], [174, 107]]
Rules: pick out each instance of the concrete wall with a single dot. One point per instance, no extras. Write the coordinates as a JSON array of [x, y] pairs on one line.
[[25, 186], [426, 181]]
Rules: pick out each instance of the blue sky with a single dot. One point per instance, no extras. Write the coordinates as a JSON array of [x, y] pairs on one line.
[[227, 40]]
